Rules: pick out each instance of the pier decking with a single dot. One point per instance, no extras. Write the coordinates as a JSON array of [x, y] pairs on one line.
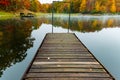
[[62, 56]]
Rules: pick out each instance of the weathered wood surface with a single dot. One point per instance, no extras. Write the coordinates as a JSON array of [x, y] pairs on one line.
[[63, 57]]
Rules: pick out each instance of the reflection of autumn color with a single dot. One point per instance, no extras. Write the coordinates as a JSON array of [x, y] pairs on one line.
[[15, 39], [83, 25], [1, 36], [110, 23], [80, 24], [96, 23]]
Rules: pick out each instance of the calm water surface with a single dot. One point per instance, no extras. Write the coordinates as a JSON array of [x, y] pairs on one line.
[[20, 39]]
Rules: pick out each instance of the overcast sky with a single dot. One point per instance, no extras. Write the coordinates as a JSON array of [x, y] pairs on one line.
[[48, 1]]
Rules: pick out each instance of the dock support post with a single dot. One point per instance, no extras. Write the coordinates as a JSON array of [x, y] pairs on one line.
[[53, 14]]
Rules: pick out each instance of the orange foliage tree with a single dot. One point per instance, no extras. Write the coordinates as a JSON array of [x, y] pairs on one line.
[[113, 7], [27, 4]]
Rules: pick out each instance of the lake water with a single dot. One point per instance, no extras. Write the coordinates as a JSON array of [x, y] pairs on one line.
[[20, 39]]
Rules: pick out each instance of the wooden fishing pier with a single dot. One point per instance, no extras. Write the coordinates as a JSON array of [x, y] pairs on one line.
[[62, 56]]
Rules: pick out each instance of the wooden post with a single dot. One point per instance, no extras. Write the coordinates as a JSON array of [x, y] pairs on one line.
[[53, 14]]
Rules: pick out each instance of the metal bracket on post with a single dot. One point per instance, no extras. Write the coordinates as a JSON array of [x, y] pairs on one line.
[[53, 14]]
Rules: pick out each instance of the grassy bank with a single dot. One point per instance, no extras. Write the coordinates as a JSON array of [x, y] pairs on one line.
[[6, 15]]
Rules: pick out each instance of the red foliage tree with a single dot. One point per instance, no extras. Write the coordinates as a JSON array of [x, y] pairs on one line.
[[4, 2], [26, 4]]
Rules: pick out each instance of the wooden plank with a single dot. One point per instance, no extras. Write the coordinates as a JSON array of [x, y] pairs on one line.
[[62, 47], [65, 63], [64, 60], [58, 41], [59, 45], [64, 57], [60, 50], [70, 70], [94, 66], [69, 79], [64, 54], [68, 75]]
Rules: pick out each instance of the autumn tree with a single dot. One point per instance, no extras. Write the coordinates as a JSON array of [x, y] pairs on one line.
[[4, 4], [75, 6], [15, 5], [26, 4], [35, 5], [113, 7], [117, 5], [83, 6], [49, 8], [97, 6], [103, 7]]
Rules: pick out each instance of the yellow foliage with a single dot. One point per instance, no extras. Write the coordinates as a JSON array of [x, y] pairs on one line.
[[103, 8], [97, 6], [80, 24], [95, 23], [1, 33], [83, 5], [113, 7], [110, 22]]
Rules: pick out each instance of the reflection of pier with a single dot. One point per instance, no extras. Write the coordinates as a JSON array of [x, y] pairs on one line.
[[63, 57]]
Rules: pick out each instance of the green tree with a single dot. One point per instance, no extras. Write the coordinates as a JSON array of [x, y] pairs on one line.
[[35, 5], [75, 6]]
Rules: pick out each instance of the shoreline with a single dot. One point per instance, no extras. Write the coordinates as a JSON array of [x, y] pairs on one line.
[[9, 15]]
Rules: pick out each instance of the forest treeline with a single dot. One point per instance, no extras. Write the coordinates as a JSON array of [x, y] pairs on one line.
[[15, 5], [87, 6], [77, 6]]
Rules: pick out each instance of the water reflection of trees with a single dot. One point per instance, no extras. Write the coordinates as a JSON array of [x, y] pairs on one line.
[[84, 25], [15, 39], [15, 35]]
